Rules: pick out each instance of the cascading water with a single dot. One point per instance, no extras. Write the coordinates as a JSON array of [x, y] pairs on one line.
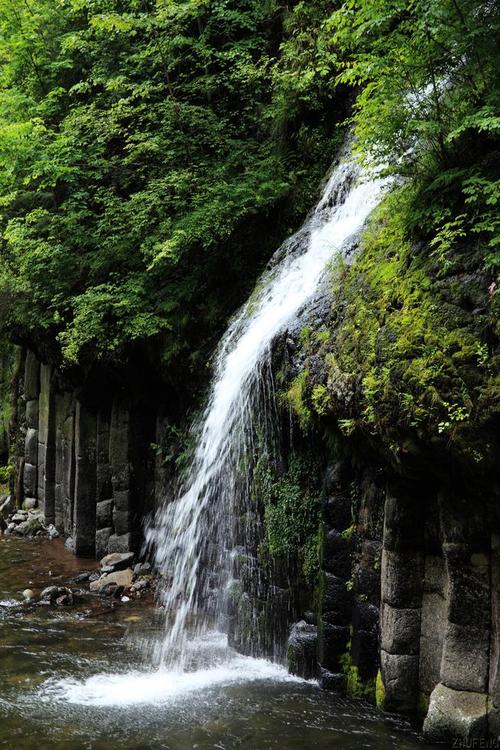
[[192, 536]]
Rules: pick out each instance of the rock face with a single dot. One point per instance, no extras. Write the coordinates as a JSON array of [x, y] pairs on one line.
[[87, 460]]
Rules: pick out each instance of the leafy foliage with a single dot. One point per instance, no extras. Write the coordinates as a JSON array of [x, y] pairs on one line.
[[143, 144]]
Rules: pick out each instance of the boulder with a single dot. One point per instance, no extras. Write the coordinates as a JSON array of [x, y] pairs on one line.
[[455, 715], [60, 595], [302, 650], [117, 561], [334, 681], [119, 577], [30, 503]]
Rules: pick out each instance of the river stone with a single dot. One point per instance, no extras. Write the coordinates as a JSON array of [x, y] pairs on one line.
[[30, 527], [117, 561], [455, 714], [28, 594], [52, 531], [142, 569], [51, 593], [20, 516], [119, 577]]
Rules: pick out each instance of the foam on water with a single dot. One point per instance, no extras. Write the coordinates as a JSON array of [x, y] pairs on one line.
[[162, 686]]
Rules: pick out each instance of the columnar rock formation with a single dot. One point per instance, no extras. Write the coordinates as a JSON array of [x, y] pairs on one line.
[[87, 461]]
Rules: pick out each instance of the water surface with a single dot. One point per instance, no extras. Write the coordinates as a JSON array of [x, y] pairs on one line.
[[71, 678]]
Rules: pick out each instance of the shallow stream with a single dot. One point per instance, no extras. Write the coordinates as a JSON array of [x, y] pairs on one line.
[[71, 678]]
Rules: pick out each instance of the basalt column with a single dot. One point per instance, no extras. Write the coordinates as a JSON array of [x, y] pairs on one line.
[[459, 702], [104, 487], [46, 460], [65, 462], [401, 590], [31, 396], [84, 514]]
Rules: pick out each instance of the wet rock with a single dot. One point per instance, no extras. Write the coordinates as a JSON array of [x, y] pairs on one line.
[[140, 584], [334, 681], [52, 532], [142, 569], [400, 672], [301, 650], [455, 714], [28, 595], [20, 516], [118, 592], [94, 576], [50, 593], [119, 577], [60, 595], [30, 527], [117, 561]]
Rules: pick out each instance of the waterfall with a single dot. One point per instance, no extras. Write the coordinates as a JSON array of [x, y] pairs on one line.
[[191, 537]]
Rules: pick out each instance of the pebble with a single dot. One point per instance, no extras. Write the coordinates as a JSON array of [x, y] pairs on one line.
[[28, 594]]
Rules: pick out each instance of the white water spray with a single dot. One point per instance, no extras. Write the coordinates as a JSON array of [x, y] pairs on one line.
[[192, 535]]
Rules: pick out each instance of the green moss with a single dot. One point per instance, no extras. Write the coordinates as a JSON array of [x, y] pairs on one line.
[[407, 360], [356, 687], [320, 399], [292, 514], [296, 399], [379, 691]]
